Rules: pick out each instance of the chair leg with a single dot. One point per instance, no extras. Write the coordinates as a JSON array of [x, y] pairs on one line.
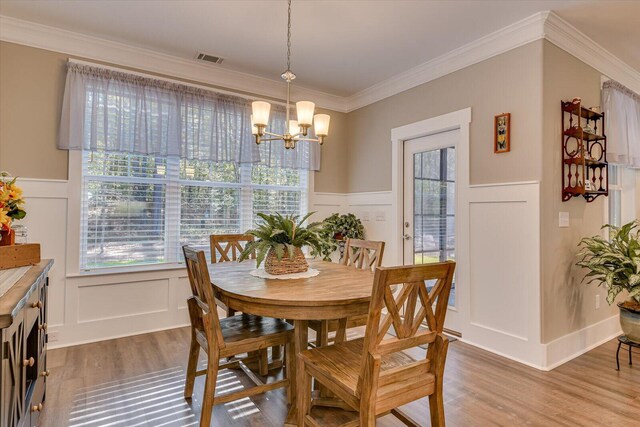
[[367, 418], [192, 366], [290, 372], [263, 362], [437, 353], [322, 334], [209, 390], [303, 399], [436, 407]]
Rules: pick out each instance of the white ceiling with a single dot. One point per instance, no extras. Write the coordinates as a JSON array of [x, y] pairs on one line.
[[339, 47]]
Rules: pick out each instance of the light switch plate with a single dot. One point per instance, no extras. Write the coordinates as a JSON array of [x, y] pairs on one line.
[[365, 216], [380, 216], [563, 220]]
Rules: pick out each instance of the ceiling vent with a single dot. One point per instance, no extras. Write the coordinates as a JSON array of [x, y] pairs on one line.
[[209, 58]]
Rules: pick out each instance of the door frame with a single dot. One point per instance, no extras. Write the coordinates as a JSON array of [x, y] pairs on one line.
[[461, 120]]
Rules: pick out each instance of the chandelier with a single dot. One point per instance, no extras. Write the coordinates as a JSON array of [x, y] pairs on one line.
[[296, 130]]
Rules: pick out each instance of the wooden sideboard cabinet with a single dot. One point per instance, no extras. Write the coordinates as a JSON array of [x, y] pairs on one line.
[[23, 321]]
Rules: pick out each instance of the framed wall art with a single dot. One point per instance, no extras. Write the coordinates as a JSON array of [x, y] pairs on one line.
[[502, 133]]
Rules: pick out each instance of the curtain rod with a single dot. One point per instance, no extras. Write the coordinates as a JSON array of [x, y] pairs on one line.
[[176, 81]]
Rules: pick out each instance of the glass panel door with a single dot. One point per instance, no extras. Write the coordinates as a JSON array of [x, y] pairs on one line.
[[434, 202]]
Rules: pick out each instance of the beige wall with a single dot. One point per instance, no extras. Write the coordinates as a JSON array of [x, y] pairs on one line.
[[510, 82], [31, 90], [567, 305]]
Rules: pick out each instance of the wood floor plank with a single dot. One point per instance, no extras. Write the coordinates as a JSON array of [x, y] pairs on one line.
[[139, 380]]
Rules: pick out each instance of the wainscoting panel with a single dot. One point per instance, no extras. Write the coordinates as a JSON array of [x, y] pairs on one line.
[[504, 288], [326, 204], [46, 222], [498, 291], [122, 299]]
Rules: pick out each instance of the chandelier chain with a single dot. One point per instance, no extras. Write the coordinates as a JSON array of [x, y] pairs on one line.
[[289, 37]]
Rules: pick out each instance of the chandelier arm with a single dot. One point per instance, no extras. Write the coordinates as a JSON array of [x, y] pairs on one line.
[[279, 135], [270, 139], [308, 139]]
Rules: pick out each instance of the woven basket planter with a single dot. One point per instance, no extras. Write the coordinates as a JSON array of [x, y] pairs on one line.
[[286, 265]]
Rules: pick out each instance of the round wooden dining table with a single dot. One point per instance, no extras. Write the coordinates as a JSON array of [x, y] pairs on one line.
[[337, 292]]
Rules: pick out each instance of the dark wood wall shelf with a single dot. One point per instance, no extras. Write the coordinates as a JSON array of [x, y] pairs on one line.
[[584, 153]]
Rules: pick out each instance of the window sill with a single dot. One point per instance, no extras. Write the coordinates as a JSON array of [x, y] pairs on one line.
[[128, 270]]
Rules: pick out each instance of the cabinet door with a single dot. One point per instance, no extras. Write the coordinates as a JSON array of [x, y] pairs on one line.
[[12, 392], [42, 319]]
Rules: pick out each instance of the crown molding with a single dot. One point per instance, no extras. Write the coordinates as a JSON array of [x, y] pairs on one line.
[[93, 48], [500, 41], [542, 25], [569, 38]]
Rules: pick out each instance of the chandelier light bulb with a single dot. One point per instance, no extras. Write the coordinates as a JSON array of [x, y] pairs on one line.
[[321, 124], [305, 111], [294, 129], [260, 111]]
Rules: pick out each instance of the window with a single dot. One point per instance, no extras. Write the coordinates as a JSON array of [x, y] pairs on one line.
[[434, 205], [165, 164], [615, 195], [621, 203], [141, 209]]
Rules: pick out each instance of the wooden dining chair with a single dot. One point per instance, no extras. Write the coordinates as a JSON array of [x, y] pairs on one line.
[[227, 248], [373, 375], [362, 254], [228, 337]]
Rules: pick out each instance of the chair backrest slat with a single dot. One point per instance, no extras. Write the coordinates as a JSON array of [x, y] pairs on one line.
[[363, 254], [412, 305], [202, 306], [227, 247]]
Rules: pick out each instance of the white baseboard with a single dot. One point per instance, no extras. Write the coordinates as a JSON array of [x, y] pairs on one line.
[[503, 354], [570, 346], [58, 344]]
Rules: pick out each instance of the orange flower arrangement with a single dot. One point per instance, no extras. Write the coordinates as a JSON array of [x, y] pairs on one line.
[[11, 201]]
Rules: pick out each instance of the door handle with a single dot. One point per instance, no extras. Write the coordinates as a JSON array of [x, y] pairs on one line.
[[406, 237]]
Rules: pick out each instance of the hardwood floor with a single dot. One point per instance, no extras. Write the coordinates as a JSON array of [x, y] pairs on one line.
[[138, 381]]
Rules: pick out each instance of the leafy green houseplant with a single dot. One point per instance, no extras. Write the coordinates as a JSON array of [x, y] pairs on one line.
[[615, 264], [279, 240], [337, 228]]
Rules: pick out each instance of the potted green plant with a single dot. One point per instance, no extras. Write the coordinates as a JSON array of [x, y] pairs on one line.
[[337, 228], [615, 264], [279, 242]]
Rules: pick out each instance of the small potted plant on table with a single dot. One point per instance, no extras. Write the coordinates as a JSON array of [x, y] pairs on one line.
[[280, 239], [615, 264]]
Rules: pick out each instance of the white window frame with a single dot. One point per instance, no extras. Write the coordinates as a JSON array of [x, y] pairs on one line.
[[75, 220], [626, 184]]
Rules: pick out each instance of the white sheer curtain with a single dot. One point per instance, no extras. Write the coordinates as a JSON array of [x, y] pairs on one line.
[[622, 116], [113, 111]]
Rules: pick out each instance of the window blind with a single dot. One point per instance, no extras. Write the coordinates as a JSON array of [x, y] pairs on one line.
[[140, 209], [434, 205]]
